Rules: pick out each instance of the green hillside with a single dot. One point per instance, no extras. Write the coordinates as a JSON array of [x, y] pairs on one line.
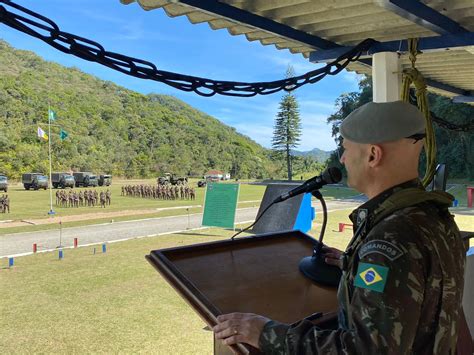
[[111, 129]]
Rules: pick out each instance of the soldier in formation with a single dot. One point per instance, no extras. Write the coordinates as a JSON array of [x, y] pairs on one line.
[[86, 198], [160, 192], [4, 204]]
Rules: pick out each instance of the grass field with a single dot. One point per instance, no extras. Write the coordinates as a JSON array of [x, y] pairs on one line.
[[30, 205], [113, 302], [36, 204]]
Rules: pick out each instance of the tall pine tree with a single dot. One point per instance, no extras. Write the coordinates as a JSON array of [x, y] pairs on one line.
[[287, 129]]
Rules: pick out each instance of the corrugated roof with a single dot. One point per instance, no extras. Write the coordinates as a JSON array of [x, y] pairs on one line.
[[345, 22]]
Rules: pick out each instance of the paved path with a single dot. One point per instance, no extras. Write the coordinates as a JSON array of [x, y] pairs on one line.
[[22, 243]]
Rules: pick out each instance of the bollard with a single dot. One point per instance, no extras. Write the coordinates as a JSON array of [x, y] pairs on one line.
[[60, 255], [35, 248], [10, 262], [75, 242], [104, 248]]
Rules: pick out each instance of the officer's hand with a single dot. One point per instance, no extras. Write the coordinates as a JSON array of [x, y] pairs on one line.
[[332, 256], [240, 328]]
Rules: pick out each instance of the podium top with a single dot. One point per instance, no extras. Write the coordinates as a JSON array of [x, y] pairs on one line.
[[257, 274]]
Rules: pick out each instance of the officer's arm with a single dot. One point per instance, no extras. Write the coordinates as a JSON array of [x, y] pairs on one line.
[[385, 304]]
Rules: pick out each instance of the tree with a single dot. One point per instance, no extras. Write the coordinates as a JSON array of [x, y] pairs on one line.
[[346, 103], [287, 129]]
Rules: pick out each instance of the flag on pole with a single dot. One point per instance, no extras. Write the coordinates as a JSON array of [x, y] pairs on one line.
[[51, 115], [63, 134], [42, 134]]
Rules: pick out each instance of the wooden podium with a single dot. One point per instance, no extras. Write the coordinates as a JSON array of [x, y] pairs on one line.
[[257, 274]]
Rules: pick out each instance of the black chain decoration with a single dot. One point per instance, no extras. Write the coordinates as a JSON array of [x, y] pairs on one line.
[[442, 122], [452, 126], [94, 52]]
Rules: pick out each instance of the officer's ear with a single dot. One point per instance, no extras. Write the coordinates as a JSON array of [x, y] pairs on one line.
[[375, 155]]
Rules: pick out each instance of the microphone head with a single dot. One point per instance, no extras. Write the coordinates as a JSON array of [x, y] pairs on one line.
[[332, 175]]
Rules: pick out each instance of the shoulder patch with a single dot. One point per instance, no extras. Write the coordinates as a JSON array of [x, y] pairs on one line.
[[387, 249], [372, 277]]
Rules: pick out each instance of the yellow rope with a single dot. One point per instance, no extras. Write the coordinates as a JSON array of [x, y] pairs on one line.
[[413, 76]]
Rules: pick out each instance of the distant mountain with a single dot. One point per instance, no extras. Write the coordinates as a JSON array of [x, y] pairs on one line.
[[316, 153]]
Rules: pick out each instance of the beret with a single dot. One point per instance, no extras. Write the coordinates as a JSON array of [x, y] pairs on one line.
[[378, 122]]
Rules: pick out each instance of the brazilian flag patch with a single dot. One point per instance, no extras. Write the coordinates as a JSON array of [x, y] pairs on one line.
[[372, 277]]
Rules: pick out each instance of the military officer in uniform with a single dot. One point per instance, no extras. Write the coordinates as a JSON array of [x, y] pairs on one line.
[[403, 271]]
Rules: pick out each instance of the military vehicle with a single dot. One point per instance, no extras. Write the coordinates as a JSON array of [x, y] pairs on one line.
[[62, 180], [34, 181], [105, 180], [172, 179], [202, 183], [86, 179], [3, 182]]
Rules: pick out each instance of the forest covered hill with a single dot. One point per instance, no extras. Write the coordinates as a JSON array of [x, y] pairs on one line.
[[316, 153], [111, 129]]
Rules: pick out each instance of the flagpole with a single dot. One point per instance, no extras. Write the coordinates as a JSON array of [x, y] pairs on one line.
[[51, 212]]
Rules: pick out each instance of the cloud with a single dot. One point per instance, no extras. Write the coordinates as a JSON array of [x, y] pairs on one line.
[[351, 77]]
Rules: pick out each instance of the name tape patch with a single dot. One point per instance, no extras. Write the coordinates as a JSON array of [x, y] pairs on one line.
[[387, 249]]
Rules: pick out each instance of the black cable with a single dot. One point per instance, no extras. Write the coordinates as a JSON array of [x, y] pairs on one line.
[[256, 220]]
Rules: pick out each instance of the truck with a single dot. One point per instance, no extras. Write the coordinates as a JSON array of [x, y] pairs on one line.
[[62, 180], [3, 182], [105, 180], [34, 181], [172, 179], [85, 178]]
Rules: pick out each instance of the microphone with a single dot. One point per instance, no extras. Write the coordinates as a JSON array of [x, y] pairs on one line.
[[329, 176]]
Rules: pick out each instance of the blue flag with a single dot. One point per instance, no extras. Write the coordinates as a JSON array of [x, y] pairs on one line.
[[63, 134]]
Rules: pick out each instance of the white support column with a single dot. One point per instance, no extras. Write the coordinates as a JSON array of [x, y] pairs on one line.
[[386, 77]]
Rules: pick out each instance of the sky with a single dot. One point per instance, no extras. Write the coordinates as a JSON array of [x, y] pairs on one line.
[[176, 45]]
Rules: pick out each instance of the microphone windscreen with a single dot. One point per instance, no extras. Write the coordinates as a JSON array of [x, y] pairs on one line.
[[332, 175]]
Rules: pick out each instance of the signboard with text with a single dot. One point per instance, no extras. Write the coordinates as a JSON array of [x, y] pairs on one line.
[[220, 205]]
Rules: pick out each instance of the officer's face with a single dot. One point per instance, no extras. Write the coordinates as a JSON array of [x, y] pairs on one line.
[[354, 159]]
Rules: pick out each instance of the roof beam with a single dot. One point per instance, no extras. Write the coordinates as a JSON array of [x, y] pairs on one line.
[[244, 17], [425, 44], [448, 88], [423, 15], [463, 99]]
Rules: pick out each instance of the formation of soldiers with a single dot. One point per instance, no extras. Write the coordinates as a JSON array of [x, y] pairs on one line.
[[4, 204], [86, 198], [160, 192]]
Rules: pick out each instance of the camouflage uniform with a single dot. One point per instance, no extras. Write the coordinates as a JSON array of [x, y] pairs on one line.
[[401, 289]]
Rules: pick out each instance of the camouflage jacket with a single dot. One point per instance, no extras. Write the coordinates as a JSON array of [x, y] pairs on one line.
[[402, 282]]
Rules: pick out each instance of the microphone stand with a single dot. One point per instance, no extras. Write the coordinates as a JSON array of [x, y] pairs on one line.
[[314, 267], [319, 246]]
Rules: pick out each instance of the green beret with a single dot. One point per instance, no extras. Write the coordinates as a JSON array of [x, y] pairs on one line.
[[378, 122]]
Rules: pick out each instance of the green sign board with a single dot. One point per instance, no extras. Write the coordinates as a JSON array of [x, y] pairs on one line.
[[220, 205]]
